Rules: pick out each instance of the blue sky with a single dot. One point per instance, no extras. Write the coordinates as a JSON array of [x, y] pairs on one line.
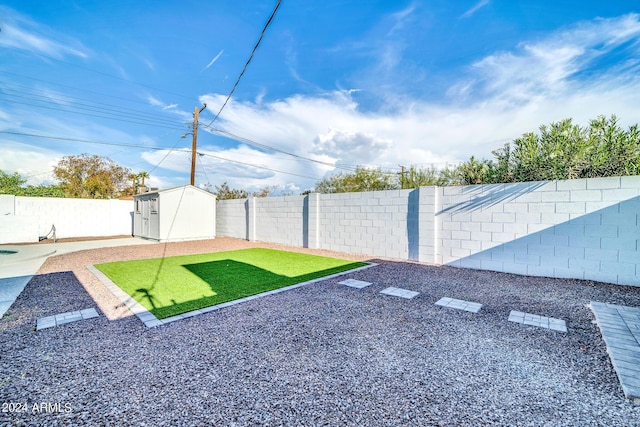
[[344, 83]]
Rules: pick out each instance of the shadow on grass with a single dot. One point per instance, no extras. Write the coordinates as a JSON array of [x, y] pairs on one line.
[[231, 280]]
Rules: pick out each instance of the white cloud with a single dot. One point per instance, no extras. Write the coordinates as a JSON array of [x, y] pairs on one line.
[[566, 74], [172, 108], [35, 156], [22, 33], [33, 163], [246, 167], [339, 144], [503, 96], [215, 58], [475, 8], [552, 65], [400, 18]]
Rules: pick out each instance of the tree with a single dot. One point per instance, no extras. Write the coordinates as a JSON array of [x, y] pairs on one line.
[[41, 191], [422, 177], [362, 179], [561, 150], [223, 192], [14, 184], [134, 183], [264, 191], [614, 151], [475, 172], [91, 176], [10, 183], [142, 175]]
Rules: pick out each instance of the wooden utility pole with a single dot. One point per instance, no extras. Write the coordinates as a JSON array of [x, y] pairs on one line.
[[402, 176], [194, 144]]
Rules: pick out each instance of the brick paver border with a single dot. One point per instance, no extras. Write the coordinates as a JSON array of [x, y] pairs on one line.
[[63, 318]]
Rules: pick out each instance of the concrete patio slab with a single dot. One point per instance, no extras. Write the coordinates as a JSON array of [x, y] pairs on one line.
[[10, 288], [17, 269]]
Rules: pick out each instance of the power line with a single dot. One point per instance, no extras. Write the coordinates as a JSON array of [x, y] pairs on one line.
[[94, 115], [91, 111], [268, 147], [204, 169], [165, 156], [25, 92], [31, 78], [95, 71], [257, 166], [87, 141], [146, 147], [247, 63]]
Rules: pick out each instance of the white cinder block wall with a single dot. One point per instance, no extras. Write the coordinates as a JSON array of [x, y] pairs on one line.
[[231, 218], [280, 220], [585, 229], [32, 217], [371, 223]]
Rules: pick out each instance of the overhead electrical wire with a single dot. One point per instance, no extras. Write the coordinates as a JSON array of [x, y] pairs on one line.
[[89, 110], [86, 141], [146, 147], [208, 184], [268, 147], [59, 98], [260, 167], [165, 156], [96, 71], [96, 115], [31, 78], [264, 30], [142, 117]]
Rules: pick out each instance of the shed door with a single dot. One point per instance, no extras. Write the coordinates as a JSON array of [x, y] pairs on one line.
[[144, 232], [154, 221]]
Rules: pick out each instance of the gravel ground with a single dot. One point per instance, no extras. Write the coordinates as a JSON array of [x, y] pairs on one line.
[[323, 354]]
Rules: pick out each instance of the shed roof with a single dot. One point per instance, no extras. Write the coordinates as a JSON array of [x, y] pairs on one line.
[[168, 190]]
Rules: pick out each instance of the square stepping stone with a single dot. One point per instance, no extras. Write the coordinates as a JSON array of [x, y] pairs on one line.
[[537, 320], [458, 304], [399, 292], [359, 284]]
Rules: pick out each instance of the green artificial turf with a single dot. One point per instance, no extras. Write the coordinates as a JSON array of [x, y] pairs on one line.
[[175, 285]]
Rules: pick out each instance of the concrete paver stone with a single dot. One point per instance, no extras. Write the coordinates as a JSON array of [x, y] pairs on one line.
[[458, 304], [537, 320], [399, 292], [358, 284]]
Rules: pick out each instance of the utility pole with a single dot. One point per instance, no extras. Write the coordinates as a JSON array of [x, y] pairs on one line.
[[402, 176], [194, 144]]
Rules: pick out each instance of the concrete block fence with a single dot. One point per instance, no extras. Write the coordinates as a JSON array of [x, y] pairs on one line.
[[24, 219], [584, 229]]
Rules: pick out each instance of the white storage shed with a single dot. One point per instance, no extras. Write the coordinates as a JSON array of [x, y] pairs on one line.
[[180, 213]]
